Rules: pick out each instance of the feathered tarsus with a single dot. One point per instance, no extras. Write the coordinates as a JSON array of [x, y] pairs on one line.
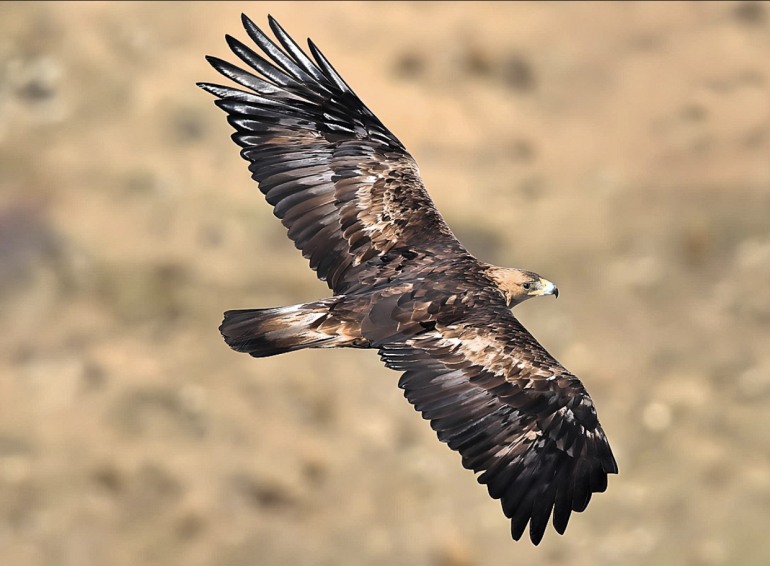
[[353, 202]]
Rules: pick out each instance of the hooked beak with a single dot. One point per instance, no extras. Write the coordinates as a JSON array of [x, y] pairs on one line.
[[545, 287]]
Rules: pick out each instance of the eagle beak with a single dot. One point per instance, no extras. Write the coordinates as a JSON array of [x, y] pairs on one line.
[[545, 287]]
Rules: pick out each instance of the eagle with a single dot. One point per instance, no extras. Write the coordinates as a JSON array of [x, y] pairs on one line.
[[352, 201]]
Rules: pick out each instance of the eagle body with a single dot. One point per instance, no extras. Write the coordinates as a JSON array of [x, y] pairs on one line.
[[352, 201]]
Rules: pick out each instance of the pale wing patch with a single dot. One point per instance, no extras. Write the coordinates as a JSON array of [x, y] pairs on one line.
[[483, 348], [382, 202]]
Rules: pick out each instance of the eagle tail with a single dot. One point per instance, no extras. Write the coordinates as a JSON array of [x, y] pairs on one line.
[[267, 332]]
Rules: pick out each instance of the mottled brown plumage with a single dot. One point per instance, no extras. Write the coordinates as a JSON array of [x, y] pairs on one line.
[[353, 202]]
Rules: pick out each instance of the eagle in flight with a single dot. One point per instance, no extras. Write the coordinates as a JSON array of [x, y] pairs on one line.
[[352, 200]]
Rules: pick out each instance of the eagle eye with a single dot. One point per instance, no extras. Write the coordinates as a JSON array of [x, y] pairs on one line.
[[527, 286]]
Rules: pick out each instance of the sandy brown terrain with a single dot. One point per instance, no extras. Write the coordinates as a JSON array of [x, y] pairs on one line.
[[621, 150]]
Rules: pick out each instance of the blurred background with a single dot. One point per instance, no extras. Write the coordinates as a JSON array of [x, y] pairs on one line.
[[619, 149]]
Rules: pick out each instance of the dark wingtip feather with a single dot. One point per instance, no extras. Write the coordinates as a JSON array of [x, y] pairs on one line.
[[330, 72], [218, 63], [254, 60], [541, 512], [231, 41], [291, 66], [536, 532], [299, 56], [609, 464], [561, 520], [517, 529], [227, 92], [211, 88], [562, 508], [247, 21]]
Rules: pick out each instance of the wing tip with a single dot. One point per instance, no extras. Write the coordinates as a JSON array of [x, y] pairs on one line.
[[216, 62], [231, 41], [246, 21], [211, 88]]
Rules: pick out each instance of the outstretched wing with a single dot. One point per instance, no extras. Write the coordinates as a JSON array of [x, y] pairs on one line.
[[492, 392], [342, 184]]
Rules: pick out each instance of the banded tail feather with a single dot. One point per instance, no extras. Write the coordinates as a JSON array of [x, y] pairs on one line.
[[267, 332]]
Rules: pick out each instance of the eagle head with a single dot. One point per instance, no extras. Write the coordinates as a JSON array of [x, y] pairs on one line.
[[518, 285]]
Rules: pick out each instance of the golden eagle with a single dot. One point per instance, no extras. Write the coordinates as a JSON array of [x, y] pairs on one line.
[[353, 202]]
